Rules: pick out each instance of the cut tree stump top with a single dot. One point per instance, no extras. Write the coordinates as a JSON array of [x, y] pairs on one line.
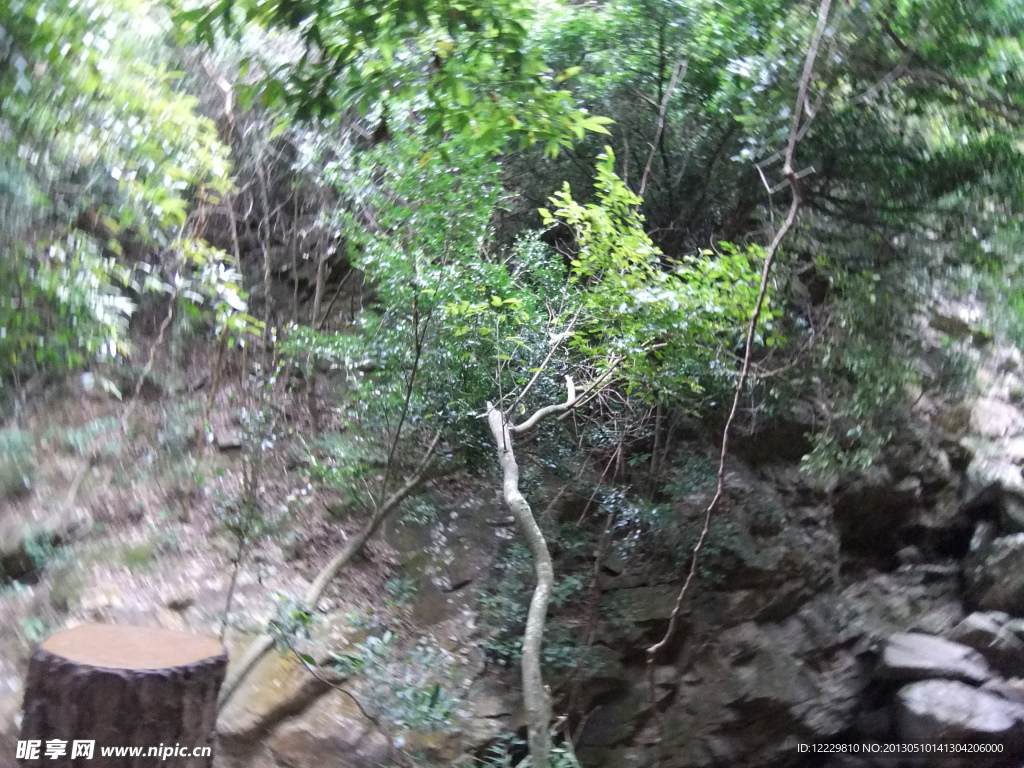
[[115, 647]]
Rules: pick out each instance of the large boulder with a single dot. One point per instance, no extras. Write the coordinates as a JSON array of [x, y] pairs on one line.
[[916, 656], [994, 572], [333, 732], [995, 418], [278, 687], [1003, 649], [995, 483], [948, 711]]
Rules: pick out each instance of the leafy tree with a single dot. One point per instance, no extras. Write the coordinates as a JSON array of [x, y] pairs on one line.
[[101, 157]]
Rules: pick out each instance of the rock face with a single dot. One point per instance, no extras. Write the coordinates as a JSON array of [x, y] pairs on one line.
[[278, 687], [993, 482], [991, 417], [994, 572], [331, 733], [871, 512], [1003, 649], [916, 656], [949, 711]]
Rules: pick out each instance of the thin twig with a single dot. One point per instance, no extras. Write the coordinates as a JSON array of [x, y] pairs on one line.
[[678, 72]]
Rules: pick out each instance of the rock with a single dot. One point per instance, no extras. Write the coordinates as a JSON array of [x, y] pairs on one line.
[[782, 439], [995, 418], [910, 555], [612, 723], [10, 714], [915, 656], [1012, 449], [1003, 650], [994, 573], [646, 604], [871, 512], [1016, 626], [613, 562], [181, 602], [950, 325], [995, 483], [277, 687], [1012, 689], [229, 441], [949, 711], [331, 733]]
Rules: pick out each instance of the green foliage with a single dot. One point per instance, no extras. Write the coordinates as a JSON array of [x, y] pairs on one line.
[[101, 157], [504, 602], [40, 548], [292, 620], [413, 690], [691, 473], [635, 300], [401, 589], [503, 754], [466, 68], [419, 511], [17, 462], [35, 629], [869, 363]]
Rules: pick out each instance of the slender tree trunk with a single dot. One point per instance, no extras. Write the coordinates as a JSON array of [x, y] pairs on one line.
[[536, 698], [122, 687], [265, 642], [318, 295]]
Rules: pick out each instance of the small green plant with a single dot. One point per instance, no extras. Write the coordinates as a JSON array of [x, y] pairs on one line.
[[291, 620], [17, 465], [40, 548], [139, 557], [419, 511], [104, 433], [411, 691], [401, 589], [694, 473]]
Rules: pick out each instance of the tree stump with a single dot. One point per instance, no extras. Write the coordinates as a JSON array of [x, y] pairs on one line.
[[132, 687]]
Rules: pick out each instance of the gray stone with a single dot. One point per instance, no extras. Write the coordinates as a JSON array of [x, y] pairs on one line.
[[1003, 650], [1012, 689], [948, 711], [1016, 626], [229, 441], [950, 324], [994, 482], [276, 688], [994, 573], [995, 418], [915, 656]]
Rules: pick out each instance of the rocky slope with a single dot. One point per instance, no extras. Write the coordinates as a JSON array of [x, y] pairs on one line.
[[887, 607]]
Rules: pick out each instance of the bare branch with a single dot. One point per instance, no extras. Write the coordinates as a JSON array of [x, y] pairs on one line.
[[678, 73]]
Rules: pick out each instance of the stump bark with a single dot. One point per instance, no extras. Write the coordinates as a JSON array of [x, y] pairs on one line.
[[130, 687]]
